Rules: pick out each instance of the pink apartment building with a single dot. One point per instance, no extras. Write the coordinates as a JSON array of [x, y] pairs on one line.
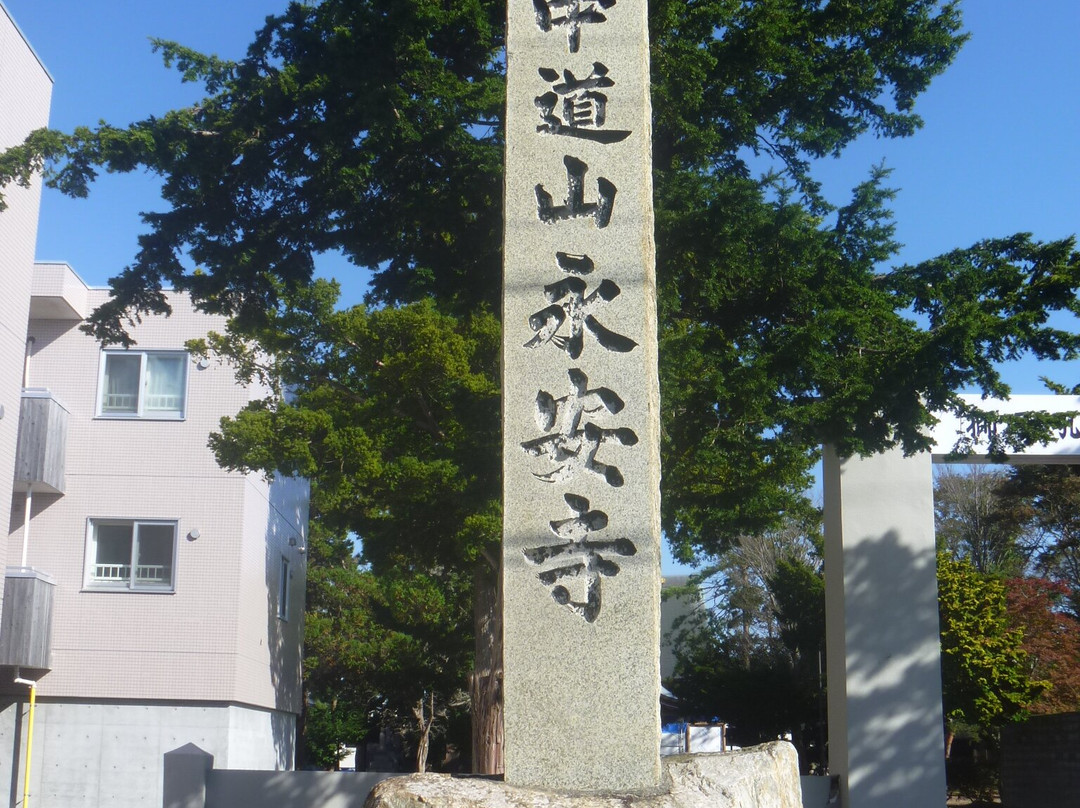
[[155, 599]]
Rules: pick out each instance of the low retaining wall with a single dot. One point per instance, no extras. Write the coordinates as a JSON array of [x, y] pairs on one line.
[[237, 789], [191, 781]]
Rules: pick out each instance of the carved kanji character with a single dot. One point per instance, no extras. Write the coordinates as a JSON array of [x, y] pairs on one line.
[[582, 111], [571, 444], [574, 264], [576, 206], [570, 304], [584, 555], [571, 14]]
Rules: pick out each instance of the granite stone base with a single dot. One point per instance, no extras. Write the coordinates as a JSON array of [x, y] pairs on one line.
[[765, 776]]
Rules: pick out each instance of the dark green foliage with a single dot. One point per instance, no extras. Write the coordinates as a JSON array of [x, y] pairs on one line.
[[800, 597], [326, 727], [1045, 501], [797, 79], [374, 646], [394, 412], [761, 701], [393, 416], [373, 128]]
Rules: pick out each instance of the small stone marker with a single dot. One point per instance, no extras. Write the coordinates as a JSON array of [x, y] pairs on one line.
[[580, 401]]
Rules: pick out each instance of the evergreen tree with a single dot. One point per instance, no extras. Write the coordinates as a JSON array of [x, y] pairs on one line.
[[393, 415], [1045, 501], [373, 128], [756, 657], [377, 648]]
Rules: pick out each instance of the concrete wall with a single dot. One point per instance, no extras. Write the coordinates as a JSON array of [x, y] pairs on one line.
[[675, 616], [191, 781], [25, 90], [1040, 762], [246, 789], [97, 754]]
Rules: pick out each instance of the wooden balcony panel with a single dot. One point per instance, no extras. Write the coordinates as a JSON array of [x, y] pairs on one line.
[[26, 623], [39, 458]]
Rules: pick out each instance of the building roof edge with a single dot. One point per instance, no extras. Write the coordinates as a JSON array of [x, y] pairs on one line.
[[29, 44]]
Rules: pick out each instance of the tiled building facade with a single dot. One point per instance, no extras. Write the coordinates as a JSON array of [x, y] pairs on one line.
[[176, 587], [25, 91]]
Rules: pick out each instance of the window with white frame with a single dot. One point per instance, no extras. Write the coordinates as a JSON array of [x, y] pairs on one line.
[[283, 590], [142, 384], [131, 554]]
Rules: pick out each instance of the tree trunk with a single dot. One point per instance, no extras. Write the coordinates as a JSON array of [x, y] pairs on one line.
[[949, 735], [425, 719], [485, 686]]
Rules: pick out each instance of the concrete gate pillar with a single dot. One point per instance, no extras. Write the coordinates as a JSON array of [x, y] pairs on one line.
[[886, 737]]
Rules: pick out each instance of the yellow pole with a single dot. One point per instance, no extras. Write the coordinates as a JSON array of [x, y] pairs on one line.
[[29, 747]]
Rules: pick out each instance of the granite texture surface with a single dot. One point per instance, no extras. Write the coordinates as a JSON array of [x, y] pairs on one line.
[[764, 776], [580, 401]]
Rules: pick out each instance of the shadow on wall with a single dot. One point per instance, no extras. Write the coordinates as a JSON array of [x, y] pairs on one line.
[[287, 520], [12, 761], [893, 658], [45, 333], [239, 789], [42, 501]]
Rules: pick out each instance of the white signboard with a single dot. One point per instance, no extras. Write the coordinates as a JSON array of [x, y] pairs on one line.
[[1064, 447]]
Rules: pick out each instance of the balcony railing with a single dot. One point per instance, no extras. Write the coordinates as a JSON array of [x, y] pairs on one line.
[[120, 402], [121, 574]]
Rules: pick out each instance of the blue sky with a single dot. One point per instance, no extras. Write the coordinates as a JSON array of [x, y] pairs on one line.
[[999, 152]]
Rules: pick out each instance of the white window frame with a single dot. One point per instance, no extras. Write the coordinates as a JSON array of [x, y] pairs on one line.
[[140, 410], [125, 578], [283, 589]]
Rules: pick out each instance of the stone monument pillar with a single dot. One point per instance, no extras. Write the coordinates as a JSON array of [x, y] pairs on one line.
[[581, 569]]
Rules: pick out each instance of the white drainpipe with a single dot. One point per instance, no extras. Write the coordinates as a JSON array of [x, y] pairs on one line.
[[26, 523], [26, 362], [29, 494]]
